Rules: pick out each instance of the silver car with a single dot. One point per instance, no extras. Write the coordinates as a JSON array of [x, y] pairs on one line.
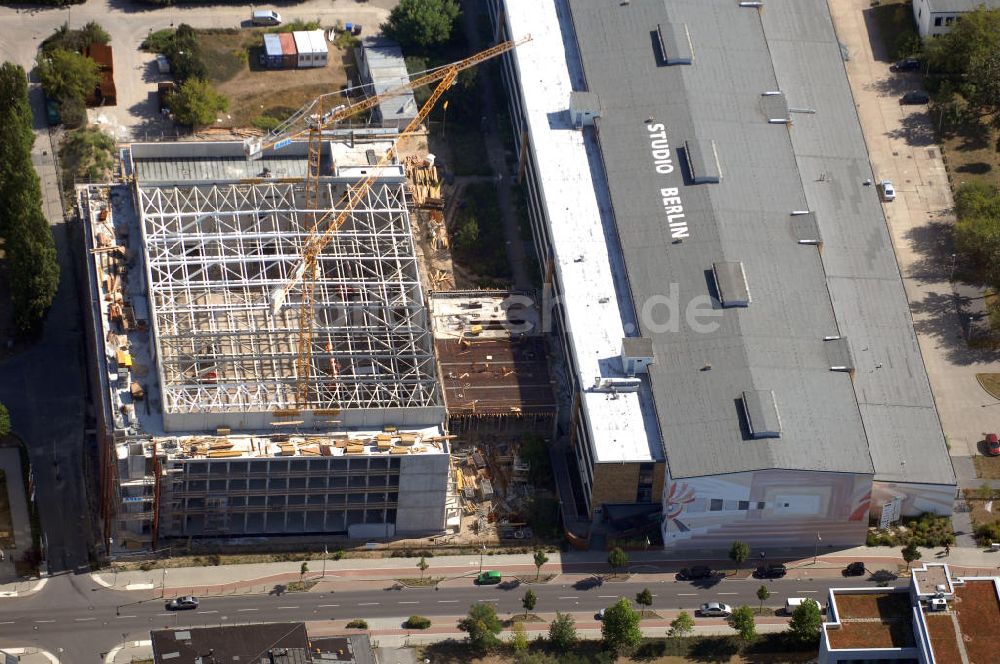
[[715, 610]]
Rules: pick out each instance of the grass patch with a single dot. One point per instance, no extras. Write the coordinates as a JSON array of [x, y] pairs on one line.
[[225, 53], [425, 582], [300, 586], [987, 468], [86, 155], [990, 382]]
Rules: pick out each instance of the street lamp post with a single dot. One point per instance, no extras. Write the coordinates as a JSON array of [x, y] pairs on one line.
[[324, 561], [163, 581], [481, 553], [819, 539]]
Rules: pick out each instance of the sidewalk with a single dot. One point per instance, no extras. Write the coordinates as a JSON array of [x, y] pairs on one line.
[[371, 573]]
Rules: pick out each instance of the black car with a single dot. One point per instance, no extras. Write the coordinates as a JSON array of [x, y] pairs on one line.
[[906, 64], [854, 569], [693, 573], [915, 97], [770, 572]]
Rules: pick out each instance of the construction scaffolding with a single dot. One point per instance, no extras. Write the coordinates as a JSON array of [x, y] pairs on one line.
[[216, 253]]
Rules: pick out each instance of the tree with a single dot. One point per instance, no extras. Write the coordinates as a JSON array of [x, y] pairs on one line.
[[529, 601], [977, 231], [540, 559], [4, 420], [762, 594], [644, 599], [422, 566], [910, 553], [983, 87], [420, 24], [482, 626], [67, 75], [739, 552], [562, 632], [518, 637], [971, 39], [742, 621], [617, 559], [467, 233], [302, 571], [620, 627], [681, 626], [806, 622], [196, 103]]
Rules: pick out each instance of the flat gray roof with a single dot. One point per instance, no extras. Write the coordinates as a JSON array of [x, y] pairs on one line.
[[674, 231]]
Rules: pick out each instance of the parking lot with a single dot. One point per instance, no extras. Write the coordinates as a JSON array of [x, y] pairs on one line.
[[902, 148]]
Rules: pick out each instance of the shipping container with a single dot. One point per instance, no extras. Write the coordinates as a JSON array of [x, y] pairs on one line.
[[289, 53], [273, 58], [303, 46], [320, 48]]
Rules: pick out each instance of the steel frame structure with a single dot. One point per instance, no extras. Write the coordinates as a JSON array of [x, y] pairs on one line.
[[214, 254]]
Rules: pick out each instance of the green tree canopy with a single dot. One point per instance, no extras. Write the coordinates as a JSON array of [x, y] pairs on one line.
[[973, 38], [739, 552], [540, 559], [421, 23], [806, 622], [518, 637], [67, 75], [620, 628], [482, 626], [762, 594], [910, 553], [742, 621], [197, 103], [681, 626], [977, 231], [562, 632], [617, 559], [529, 601], [4, 420], [644, 598]]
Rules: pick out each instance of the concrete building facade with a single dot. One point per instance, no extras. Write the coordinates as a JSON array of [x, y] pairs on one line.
[[935, 17]]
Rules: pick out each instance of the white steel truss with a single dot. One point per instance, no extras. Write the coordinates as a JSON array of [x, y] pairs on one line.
[[214, 254]]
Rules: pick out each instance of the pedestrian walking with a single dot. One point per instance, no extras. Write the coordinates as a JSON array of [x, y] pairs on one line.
[[947, 549]]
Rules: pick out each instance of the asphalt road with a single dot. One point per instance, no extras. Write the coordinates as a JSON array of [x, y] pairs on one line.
[[75, 619]]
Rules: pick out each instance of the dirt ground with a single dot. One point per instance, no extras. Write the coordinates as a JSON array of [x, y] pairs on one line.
[[254, 91], [972, 153]]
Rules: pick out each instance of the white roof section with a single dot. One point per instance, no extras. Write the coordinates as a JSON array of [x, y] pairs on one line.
[[595, 300]]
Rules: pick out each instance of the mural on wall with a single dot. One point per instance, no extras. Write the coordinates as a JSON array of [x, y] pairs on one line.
[[772, 506], [914, 499]]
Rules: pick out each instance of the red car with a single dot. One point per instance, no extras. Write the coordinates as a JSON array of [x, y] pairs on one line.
[[992, 445]]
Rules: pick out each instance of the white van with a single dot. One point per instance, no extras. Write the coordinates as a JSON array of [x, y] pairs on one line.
[[265, 17], [793, 603]]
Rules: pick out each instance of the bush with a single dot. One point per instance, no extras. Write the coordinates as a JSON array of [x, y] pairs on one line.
[[67, 39], [987, 533], [266, 122], [67, 75], [357, 623], [420, 24], [157, 42], [196, 103], [927, 530], [87, 154], [417, 622], [181, 48]]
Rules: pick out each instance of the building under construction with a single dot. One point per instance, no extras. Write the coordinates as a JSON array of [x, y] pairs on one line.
[[205, 430]]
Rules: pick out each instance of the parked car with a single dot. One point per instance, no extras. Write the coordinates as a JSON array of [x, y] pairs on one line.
[[770, 571], [854, 569], [906, 64], [915, 97], [715, 610], [887, 190], [693, 573], [489, 578], [265, 17], [181, 603], [992, 444]]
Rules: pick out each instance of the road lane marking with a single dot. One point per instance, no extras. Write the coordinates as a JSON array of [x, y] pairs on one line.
[[288, 607], [45, 621], [807, 591], [242, 610], [367, 603], [729, 593], [490, 600], [570, 597], [118, 617], [166, 614], [605, 597], [83, 619], [324, 606], [7, 622], [687, 594], [409, 602], [447, 601], [216, 611]]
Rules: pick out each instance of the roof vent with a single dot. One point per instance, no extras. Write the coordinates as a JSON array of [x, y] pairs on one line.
[[805, 227], [703, 161], [637, 354], [675, 43], [583, 108], [761, 412], [731, 283], [838, 352], [775, 107]]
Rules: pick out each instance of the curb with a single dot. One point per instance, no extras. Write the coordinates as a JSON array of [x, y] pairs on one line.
[[37, 588], [109, 658], [17, 652]]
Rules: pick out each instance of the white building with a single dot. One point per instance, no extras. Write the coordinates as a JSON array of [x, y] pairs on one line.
[[935, 17]]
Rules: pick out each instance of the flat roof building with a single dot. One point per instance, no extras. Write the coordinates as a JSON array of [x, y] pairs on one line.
[[726, 293]]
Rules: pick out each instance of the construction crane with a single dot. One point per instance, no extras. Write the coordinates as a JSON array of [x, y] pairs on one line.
[[319, 236]]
